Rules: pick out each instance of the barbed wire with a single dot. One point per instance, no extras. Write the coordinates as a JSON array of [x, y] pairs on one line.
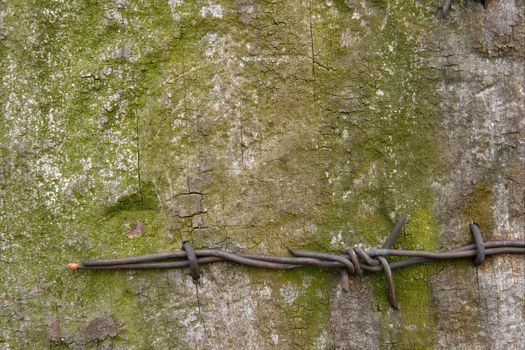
[[353, 260], [445, 5]]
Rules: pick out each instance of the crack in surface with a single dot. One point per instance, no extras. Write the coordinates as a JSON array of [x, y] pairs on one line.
[[201, 317], [137, 135], [312, 51]]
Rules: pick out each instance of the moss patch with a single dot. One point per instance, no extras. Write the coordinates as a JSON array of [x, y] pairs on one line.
[[477, 207], [380, 124], [415, 322], [312, 140], [300, 298], [145, 199]]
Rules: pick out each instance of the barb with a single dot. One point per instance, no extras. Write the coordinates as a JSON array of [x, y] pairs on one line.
[[445, 5], [192, 259], [354, 260]]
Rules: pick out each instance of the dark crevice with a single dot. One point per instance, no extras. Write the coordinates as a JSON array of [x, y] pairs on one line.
[[145, 199], [201, 318]]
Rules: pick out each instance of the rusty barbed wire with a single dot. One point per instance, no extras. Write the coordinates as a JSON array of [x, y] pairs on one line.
[[445, 5], [354, 260]]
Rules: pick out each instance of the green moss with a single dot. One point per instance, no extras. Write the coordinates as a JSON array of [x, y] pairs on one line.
[[415, 321], [477, 207], [58, 55], [387, 165], [77, 63], [300, 300], [144, 200], [382, 4]]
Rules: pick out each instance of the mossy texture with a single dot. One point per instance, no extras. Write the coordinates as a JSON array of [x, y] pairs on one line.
[[129, 127]]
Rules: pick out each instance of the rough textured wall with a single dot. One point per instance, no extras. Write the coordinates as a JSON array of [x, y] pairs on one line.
[[131, 126]]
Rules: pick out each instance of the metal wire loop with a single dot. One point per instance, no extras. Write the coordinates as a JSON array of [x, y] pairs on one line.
[[192, 258], [478, 241], [355, 260]]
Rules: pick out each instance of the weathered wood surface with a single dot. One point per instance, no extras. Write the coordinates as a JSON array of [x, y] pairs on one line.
[[130, 126]]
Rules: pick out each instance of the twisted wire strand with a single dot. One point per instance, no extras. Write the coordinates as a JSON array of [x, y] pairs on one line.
[[354, 260]]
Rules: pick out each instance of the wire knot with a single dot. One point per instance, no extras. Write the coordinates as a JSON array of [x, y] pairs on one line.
[[480, 245], [192, 258]]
